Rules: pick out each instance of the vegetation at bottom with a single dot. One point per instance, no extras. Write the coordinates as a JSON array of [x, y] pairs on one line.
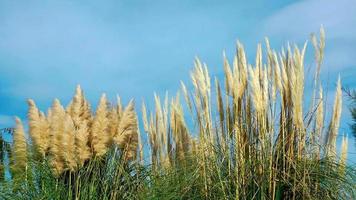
[[251, 136]]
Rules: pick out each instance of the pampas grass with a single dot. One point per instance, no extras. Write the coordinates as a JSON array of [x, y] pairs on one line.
[[38, 128], [256, 147], [335, 120], [251, 136], [68, 138], [126, 135], [99, 135], [19, 153], [56, 137], [82, 150]]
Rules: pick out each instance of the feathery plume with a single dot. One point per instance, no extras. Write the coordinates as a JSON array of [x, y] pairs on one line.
[[127, 132], [19, 150], [56, 137], [144, 118], [76, 106], [343, 156], [344, 147], [82, 150], [298, 86], [100, 137], [38, 128], [259, 85], [113, 122], [68, 142], [86, 112], [79, 108], [335, 121], [320, 114], [228, 76]]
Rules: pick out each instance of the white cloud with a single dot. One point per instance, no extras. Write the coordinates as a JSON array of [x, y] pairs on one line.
[[299, 19]]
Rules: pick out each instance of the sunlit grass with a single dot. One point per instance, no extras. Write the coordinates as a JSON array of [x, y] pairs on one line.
[[252, 137]]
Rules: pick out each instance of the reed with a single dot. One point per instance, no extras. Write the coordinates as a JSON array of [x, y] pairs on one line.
[[250, 136], [254, 139], [19, 153]]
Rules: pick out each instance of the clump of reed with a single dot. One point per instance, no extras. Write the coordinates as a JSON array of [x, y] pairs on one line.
[[68, 137], [251, 136], [73, 144]]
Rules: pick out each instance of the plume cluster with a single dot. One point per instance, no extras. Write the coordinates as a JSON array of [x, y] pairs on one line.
[[251, 136], [256, 121], [68, 137]]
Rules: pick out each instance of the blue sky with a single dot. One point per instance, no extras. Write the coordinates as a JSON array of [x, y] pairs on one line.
[[133, 48]]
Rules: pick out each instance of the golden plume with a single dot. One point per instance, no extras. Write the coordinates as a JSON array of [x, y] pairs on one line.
[[298, 86], [56, 136], [75, 107], [79, 111], [68, 142], [259, 87], [82, 150], [38, 128], [100, 137], [335, 121], [127, 132], [79, 108], [19, 150], [113, 122], [86, 113]]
